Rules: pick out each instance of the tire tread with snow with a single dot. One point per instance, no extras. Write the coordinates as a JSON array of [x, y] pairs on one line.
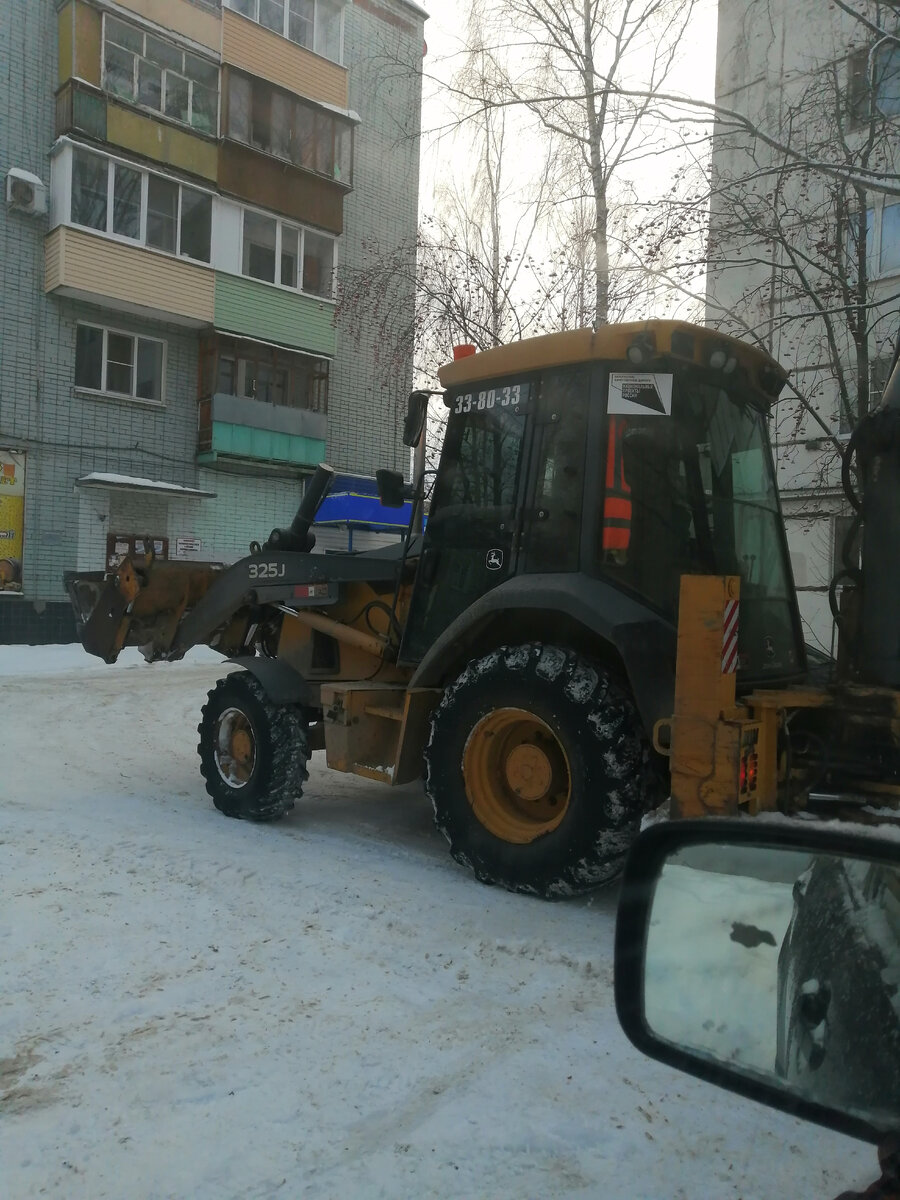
[[282, 751], [598, 727]]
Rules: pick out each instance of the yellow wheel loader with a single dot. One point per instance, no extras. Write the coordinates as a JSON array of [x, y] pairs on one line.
[[522, 652]]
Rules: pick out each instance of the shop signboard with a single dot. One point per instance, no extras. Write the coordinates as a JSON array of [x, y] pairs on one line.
[[12, 520]]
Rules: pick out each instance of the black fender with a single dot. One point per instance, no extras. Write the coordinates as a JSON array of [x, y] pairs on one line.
[[281, 683], [561, 607]]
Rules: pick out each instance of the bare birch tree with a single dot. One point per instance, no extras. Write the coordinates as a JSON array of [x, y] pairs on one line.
[[569, 66], [812, 247]]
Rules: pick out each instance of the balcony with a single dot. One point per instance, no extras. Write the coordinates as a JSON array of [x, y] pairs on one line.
[[273, 314], [80, 36], [280, 187], [109, 273], [260, 52], [81, 108], [235, 428]]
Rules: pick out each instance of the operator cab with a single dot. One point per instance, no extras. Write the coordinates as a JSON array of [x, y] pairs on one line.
[[635, 455]]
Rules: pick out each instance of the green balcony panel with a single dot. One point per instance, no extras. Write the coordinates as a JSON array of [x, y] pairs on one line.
[[262, 445], [272, 314], [89, 113], [82, 110]]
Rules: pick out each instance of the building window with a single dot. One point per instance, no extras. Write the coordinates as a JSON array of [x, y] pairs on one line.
[[889, 258], [233, 367], [260, 240], [278, 123], [879, 374], [114, 198], [316, 24], [882, 240], [280, 252], [156, 74], [90, 188], [842, 528], [120, 364], [873, 82]]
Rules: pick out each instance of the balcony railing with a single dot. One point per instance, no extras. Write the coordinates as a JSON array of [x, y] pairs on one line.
[[236, 427]]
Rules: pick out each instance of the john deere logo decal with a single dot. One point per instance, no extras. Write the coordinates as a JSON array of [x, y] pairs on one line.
[[494, 560]]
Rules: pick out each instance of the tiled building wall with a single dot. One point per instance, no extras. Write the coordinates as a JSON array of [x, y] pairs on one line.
[[67, 435], [245, 509], [30, 359], [383, 43]]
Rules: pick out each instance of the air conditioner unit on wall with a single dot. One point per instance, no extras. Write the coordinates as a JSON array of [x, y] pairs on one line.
[[25, 192]]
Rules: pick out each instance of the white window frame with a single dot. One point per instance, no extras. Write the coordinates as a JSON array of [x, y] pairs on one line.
[[885, 202], [255, 19], [161, 111], [303, 230], [141, 240], [103, 390]]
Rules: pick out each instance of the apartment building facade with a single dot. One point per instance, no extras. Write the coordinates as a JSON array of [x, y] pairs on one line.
[[806, 262], [185, 181]]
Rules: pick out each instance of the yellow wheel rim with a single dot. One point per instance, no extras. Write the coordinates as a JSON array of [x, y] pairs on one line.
[[516, 775]]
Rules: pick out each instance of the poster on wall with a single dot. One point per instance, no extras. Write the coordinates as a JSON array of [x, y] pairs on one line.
[[138, 547], [12, 519]]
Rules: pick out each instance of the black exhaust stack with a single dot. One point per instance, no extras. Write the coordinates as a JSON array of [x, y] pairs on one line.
[[298, 537]]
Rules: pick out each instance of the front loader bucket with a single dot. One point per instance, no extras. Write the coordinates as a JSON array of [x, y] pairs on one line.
[[136, 606]]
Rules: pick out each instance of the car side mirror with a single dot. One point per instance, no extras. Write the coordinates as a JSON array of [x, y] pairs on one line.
[[416, 412], [765, 958], [393, 491]]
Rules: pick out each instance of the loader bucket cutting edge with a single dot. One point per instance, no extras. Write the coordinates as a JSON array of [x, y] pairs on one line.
[[135, 606]]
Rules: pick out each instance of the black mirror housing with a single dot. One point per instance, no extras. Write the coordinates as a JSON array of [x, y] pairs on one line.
[[393, 491], [416, 412]]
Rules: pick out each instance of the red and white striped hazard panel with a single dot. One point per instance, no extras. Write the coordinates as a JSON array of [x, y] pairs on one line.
[[730, 638]]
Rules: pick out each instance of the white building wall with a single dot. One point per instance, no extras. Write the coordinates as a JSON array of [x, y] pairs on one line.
[[771, 57]]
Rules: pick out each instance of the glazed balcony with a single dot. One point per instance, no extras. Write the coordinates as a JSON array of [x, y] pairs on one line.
[[83, 109], [260, 52]]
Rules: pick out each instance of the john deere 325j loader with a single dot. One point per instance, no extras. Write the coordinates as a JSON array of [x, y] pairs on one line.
[[520, 652]]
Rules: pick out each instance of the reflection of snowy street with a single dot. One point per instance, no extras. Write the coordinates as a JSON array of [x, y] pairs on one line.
[[706, 986], [328, 1007]]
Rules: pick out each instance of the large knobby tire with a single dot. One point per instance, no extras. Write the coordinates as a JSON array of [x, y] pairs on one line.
[[538, 771], [253, 753]]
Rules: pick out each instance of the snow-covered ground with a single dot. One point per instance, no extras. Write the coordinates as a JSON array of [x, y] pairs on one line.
[[326, 1007]]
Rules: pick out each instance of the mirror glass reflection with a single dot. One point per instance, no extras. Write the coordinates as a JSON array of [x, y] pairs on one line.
[[783, 965]]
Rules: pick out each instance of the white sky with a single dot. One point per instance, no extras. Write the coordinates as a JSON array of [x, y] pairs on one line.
[[694, 76]]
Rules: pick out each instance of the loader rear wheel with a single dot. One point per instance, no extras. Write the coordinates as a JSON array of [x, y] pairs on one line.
[[538, 771], [253, 753]]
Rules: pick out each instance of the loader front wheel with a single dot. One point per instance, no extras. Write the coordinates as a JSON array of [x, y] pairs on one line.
[[538, 771], [253, 753]]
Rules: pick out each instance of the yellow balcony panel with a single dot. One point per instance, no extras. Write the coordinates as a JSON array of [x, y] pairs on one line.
[[260, 52], [79, 42], [65, 19], [191, 21], [161, 142], [127, 278]]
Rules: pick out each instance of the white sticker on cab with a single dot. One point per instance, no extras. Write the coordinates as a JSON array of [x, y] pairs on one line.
[[640, 394]]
